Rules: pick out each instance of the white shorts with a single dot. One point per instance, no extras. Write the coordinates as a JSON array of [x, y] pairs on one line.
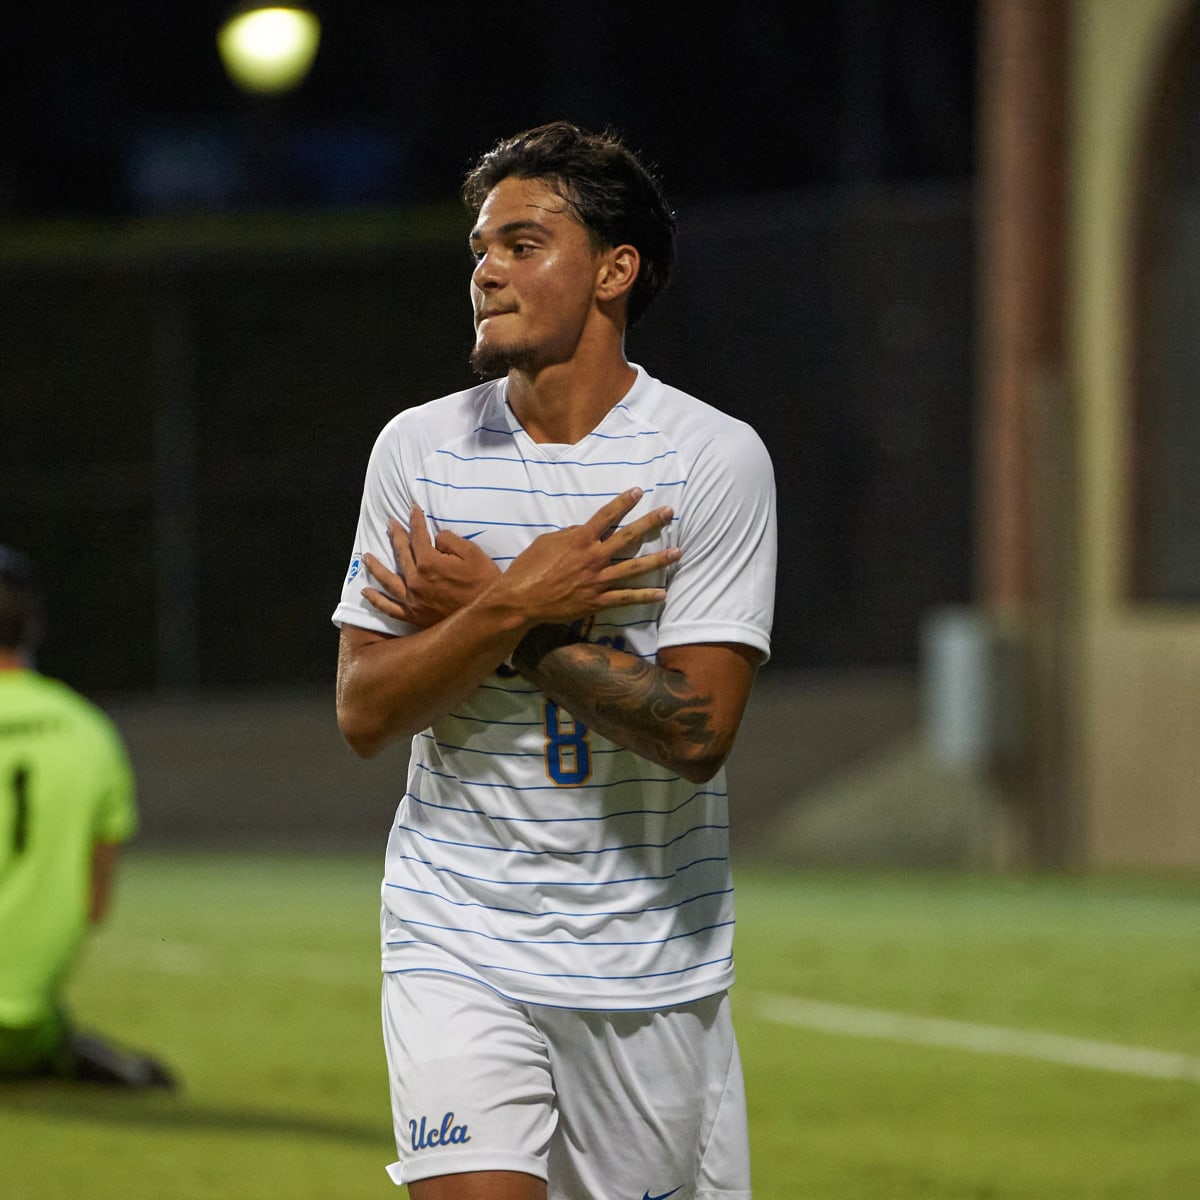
[[600, 1104]]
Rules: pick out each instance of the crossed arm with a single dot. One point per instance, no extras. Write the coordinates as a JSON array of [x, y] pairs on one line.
[[104, 869], [681, 712]]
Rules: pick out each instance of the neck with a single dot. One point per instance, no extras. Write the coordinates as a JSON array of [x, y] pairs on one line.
[[566, 401], [13, 660]]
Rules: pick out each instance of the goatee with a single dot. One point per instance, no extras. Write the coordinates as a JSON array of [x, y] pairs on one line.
[[494, 362]]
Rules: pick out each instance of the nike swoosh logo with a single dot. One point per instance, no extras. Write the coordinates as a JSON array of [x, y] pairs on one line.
[[663, 1195]]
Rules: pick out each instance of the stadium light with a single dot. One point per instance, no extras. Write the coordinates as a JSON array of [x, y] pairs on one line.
[[269, 49]]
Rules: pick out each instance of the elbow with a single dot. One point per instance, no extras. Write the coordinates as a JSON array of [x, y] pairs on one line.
[[363, 737], [363, 747], [367, 731], [699, 772], [700, 764]]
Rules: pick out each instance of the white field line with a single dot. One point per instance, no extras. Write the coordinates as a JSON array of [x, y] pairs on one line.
[[183, 959], [979, 1039]]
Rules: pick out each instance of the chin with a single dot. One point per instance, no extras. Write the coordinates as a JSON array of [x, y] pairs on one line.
[[492, 361]]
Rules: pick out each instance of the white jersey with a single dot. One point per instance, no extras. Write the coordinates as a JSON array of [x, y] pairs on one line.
[[528, 850]]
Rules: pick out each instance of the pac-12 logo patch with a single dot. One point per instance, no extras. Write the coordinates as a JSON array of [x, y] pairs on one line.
[[355, 567]]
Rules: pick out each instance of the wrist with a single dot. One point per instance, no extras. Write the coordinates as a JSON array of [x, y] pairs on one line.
[[496, 611], [540, 641]]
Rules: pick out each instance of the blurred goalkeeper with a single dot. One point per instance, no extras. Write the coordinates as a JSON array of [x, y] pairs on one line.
[[66, 805]]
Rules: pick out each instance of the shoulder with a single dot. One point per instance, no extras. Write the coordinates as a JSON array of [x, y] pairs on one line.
[[456, 426], [452, 416], [700, 431], [86, 711], [74, 713]]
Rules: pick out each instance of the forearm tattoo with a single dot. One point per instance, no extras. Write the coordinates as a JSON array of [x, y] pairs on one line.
[[636, 704]]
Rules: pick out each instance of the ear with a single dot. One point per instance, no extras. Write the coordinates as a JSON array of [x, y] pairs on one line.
[[618, 269]]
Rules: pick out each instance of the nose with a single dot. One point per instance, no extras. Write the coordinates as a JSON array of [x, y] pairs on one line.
[[486, 276]]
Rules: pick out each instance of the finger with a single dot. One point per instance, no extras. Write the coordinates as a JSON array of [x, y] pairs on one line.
[[625, 597], [630, 568], [384, 604], [605, 519], [419, 532], [647, 524], [391, 582], [449, 542], [401, 546]]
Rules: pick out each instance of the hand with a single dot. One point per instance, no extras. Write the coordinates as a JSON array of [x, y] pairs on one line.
[[584, 569], [433, 578]]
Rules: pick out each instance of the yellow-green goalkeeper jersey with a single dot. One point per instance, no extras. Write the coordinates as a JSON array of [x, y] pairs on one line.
[[65, 784]]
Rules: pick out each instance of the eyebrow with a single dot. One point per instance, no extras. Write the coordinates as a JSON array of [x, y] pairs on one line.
[[511, 227]]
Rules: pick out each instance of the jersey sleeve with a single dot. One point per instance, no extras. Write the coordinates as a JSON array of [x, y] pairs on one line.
[[116, 811], [723, 589], [386, 494]]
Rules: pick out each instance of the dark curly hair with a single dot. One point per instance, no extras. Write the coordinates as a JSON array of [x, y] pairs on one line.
[[19, 608], [605, 186]]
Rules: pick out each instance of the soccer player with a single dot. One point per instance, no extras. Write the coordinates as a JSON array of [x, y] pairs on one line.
[[561, 590], [66, 805]]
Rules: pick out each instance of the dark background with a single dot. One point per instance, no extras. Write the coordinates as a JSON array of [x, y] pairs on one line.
[[726, 100], [212, 303]]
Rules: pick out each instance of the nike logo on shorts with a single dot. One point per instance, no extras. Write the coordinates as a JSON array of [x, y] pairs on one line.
[[661, 1195]]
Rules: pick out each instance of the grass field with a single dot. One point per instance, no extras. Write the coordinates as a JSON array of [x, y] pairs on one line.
[[256, 977]]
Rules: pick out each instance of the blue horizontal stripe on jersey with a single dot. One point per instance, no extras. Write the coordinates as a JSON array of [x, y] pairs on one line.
[[501, 559], [481, 523], [491, 720], [624, 437], [504, 687], [552, 463], [553, 883], [553, 787], [509, 753], [550, 787], [428, 737], [523, 491], [607, 816], [565, 975], [712, 962], [582, 945], [490, 524], [558, 853], [556, 912], [491, 987], [698, 862]]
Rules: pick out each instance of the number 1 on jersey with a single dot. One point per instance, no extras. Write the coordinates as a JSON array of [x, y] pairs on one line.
[[568, 759], [20, 825]]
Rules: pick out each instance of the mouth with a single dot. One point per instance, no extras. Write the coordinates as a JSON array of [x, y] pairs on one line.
[[488, 313]]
